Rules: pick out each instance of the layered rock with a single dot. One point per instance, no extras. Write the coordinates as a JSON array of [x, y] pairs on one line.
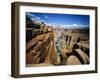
[[40, 49]]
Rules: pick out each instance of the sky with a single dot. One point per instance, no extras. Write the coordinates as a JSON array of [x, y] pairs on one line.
[[65, 20]]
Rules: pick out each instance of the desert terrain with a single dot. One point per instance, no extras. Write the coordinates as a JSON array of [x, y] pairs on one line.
[[55, 46]]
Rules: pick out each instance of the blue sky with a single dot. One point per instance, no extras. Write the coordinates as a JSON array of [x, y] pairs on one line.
[[61, 19]]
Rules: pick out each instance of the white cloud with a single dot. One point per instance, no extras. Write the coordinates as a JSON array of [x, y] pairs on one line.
[[29, 14], [74, 26], [32, 19], [38, 18], [53, 25], [42, 21], [46, 16]]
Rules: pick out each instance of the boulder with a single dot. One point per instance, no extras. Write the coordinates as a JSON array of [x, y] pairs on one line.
[[73, 60]]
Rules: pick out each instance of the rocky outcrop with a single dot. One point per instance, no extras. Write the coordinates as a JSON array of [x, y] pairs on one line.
[[40, 49], [73, 60], [48, 45]]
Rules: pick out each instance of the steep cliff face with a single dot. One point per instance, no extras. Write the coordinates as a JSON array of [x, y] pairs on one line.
[[40, 49]]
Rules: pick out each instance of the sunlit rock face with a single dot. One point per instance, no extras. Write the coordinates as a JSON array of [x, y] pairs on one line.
[[52, 45], [41, 49]]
